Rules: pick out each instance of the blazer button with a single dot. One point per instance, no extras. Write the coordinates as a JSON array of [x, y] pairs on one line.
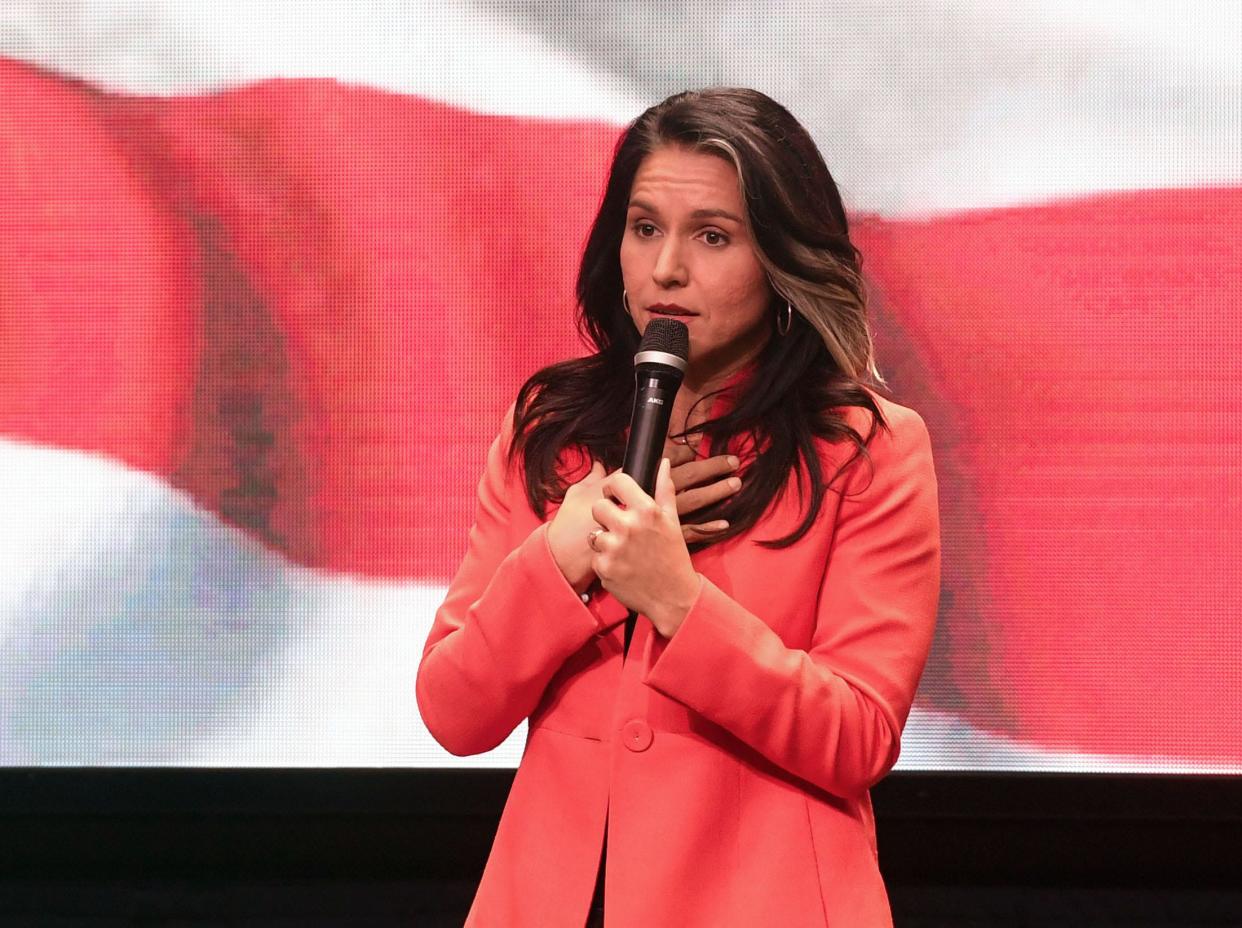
[[636, 734]]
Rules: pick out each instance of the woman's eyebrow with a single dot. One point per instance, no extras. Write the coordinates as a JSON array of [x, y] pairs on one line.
[[697, 214]]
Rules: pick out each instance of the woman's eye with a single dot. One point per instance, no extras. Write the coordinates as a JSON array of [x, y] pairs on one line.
[[713, 237], [644, 229]]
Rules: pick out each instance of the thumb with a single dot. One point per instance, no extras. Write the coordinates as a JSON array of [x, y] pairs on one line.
[[665, 491]]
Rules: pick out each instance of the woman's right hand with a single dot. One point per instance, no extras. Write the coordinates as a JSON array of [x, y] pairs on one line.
[[569, 529], [700, 482]]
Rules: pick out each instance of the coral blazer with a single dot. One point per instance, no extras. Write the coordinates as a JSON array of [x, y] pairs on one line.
[[731, 762]]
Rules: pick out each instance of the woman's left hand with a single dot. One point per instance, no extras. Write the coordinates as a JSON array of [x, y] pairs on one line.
[[641, 557]]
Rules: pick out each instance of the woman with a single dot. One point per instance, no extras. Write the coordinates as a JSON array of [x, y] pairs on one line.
[[724, 759]]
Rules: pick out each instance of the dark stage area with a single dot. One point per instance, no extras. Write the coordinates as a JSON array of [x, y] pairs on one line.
[[443, 904], [328, 848]]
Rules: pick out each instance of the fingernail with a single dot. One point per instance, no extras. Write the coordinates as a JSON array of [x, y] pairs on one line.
[[733, 461], [735, 483]]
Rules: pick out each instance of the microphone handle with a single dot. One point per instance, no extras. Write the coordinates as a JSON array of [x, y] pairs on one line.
[[656, 387]]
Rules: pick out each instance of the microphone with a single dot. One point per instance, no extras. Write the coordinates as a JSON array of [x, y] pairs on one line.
[[659, 368]]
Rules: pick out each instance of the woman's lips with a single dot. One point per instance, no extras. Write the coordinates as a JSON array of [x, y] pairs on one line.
[[664, 310]]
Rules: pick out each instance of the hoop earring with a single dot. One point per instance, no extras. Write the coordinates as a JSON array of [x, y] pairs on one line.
[[783, 326], [625, 301]]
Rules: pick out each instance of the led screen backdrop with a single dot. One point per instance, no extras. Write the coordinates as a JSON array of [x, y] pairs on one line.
[[270, 274]]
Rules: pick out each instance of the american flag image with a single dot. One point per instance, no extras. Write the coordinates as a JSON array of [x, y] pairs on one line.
[[271, 273]]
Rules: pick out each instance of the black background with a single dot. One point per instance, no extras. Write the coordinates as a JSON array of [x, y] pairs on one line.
[[96, 846]]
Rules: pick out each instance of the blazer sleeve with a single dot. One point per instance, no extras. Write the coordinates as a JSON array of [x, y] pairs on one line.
[[508, 621], [831, 715]]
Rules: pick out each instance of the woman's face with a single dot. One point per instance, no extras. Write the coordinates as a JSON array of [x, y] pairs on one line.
[[686, 255]]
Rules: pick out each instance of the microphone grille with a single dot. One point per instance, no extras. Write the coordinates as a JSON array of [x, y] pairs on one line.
[[666, 335]]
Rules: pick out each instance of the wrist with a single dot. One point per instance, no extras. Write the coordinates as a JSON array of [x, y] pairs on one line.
[[673, 609], [576, 570]]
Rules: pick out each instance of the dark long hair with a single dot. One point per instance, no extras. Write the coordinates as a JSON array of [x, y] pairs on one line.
[[802, 379]]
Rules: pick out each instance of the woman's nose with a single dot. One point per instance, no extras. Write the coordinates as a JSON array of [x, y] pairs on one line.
[[670, 268]]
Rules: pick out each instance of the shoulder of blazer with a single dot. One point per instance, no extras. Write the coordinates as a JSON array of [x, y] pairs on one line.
[[900, 450], [903, 431]]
